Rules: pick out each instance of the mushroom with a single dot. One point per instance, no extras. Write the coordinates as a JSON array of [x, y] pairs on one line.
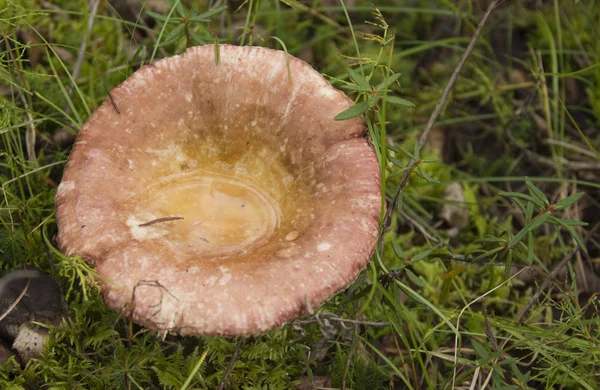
[[215, 194], [29, 297]]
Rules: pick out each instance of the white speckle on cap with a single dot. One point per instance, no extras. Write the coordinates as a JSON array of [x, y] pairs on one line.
[[211, 280], [226, 276], [142, 233], [285, 253], [64, 187], [188, 97], [291, 236], [324, 246]]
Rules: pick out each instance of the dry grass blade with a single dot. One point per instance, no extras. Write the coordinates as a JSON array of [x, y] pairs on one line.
[[16, 302]]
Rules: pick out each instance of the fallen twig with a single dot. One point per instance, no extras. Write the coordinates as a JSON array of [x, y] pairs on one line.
[[112, 101], [230, 365], [343, 321], [436, 112], [159, 220], [93, 9]]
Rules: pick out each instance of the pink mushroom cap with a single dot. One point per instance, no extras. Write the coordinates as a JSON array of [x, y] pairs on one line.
[[221, 198]]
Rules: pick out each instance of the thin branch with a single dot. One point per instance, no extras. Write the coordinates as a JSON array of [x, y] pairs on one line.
[[90, 23], [230, 365], [419, 227], [343, 321], [436, 112]]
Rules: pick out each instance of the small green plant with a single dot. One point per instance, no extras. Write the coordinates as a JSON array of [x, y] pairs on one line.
[[537, 202], [187, 24], [537, 211], [370, 95]]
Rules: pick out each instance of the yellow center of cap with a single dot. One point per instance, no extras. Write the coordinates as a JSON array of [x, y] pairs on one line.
[[206, 214]]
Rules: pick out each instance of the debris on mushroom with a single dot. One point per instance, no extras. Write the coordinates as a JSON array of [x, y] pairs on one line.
[[221, 198], [28, 295]]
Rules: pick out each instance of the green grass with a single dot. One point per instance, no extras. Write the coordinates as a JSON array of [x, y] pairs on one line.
[[437, 307]]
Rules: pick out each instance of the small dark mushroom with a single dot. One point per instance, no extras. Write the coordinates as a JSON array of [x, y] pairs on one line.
[[28, 295]]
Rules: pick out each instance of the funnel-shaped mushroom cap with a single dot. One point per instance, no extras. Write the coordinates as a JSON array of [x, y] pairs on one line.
[[222, 198]]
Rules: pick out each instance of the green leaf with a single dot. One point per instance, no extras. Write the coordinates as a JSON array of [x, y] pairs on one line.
[[421, 256], [373, 100], [386, 83], [488, 239], [354, 111], [569, 201], [490, 254], [198, 38], [421, 172], [445, 290], [398, 251], [518, 195], [359, 79], [173, 36], [409, 154], [417, 151], [508, 266], [396, 162], [357, 88], [181, 9], [530, 250], [205, 16], [522, 206], [529, 211], [414, 278], [568, 222], [571, 231], [536, 192], [160, 17], [399, 101], [534, 224], [481, 352]]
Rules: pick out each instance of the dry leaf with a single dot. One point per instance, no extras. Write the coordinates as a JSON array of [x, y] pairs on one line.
[[455, 213]]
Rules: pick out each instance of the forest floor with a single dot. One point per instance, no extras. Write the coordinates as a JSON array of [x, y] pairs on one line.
[[488, 267]]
